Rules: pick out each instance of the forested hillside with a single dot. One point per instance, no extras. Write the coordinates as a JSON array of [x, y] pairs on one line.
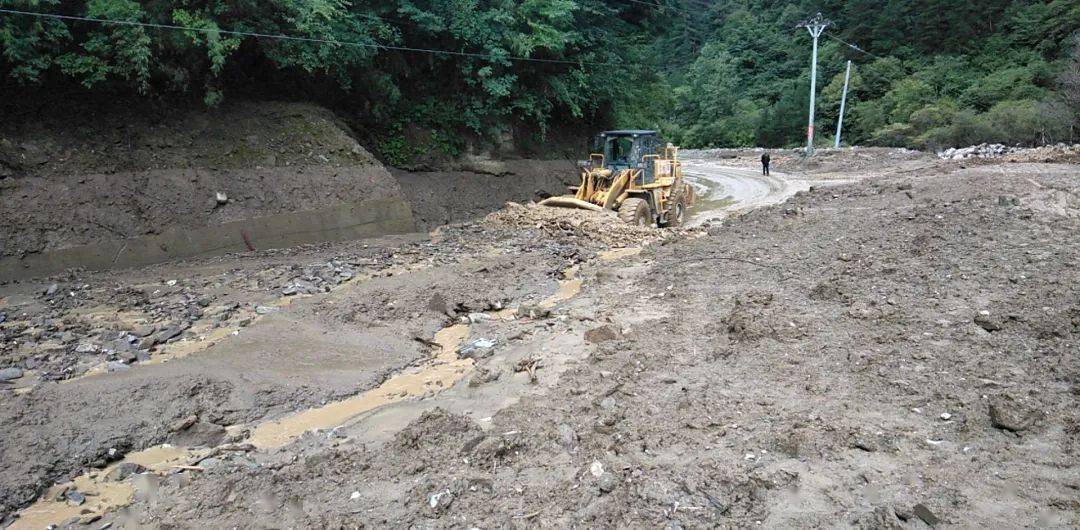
[[927, 73], [417, 74]]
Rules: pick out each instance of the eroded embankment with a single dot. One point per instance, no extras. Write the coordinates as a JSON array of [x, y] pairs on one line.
[[118, 190]]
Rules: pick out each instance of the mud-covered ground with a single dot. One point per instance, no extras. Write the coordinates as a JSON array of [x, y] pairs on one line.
[[897, 352]]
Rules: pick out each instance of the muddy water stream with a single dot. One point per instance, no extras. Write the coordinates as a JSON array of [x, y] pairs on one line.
[[441, 371], [568, 288], [101, 493]]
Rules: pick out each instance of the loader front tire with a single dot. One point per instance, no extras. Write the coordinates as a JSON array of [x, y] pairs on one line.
[[677, 216], [635, 211]]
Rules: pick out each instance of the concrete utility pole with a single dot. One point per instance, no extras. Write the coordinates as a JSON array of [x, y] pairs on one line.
[[843, 103], [816, 26]]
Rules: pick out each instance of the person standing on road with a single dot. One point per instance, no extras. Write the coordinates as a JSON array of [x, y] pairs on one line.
[[765, 163]]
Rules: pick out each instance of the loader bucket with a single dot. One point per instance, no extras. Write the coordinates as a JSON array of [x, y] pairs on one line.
[[568, 201]]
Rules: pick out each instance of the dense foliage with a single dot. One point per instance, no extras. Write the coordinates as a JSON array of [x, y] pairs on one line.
[[355, 55], [708, 72], [930, 73]]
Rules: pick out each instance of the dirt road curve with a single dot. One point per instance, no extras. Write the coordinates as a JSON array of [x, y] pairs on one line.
[[907, 361], [724, 190]]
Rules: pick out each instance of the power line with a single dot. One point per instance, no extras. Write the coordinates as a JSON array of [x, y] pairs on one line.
[[257, 35], [852, 46]]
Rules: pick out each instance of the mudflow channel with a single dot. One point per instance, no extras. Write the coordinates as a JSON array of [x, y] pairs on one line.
[[723, 191]]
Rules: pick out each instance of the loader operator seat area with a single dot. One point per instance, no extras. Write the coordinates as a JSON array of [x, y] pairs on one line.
[[627, 149], [619, 152]]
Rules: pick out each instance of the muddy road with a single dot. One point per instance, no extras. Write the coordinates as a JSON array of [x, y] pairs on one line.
[[908, 360], [724, 191]]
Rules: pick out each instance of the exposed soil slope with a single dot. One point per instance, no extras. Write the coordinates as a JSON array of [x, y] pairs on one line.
[[123, 174]]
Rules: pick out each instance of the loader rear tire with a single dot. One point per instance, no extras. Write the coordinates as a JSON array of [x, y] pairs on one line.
[[635, 211]]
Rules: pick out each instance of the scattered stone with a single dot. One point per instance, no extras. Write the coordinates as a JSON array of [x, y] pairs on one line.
[[602, 334], [477, 349], [221, 198], [985, 321], [143, 331], [596, 469], [147, 342], [86, 347], [881, 518], [263, 310], [483, 376], [300, 286], [74, 498], [608, 482], [568, 437], [865, 443], [127, 356], [52, 289], [182, 423], [476, 318], [1007, 414], [10, 373], [170, 332], [924, 513], [534, 312], [117, 366], [441, 501], [123, 471], [199, 434]]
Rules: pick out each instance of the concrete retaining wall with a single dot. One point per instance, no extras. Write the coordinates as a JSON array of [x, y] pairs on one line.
[[342, 222]]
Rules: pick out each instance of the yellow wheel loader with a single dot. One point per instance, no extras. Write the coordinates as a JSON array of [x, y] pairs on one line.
[[633, 173]]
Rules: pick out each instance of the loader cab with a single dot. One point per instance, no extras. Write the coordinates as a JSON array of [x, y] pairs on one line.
[[626, 149]]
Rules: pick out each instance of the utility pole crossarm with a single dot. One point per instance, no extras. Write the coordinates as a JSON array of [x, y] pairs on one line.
[[816, 26]]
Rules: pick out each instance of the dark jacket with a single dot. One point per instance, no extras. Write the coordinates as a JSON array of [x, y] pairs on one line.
[[765, 159]]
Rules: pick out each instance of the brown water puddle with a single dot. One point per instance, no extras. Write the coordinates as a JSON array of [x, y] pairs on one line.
[[441, 371], [102, 495], [568, 288]]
